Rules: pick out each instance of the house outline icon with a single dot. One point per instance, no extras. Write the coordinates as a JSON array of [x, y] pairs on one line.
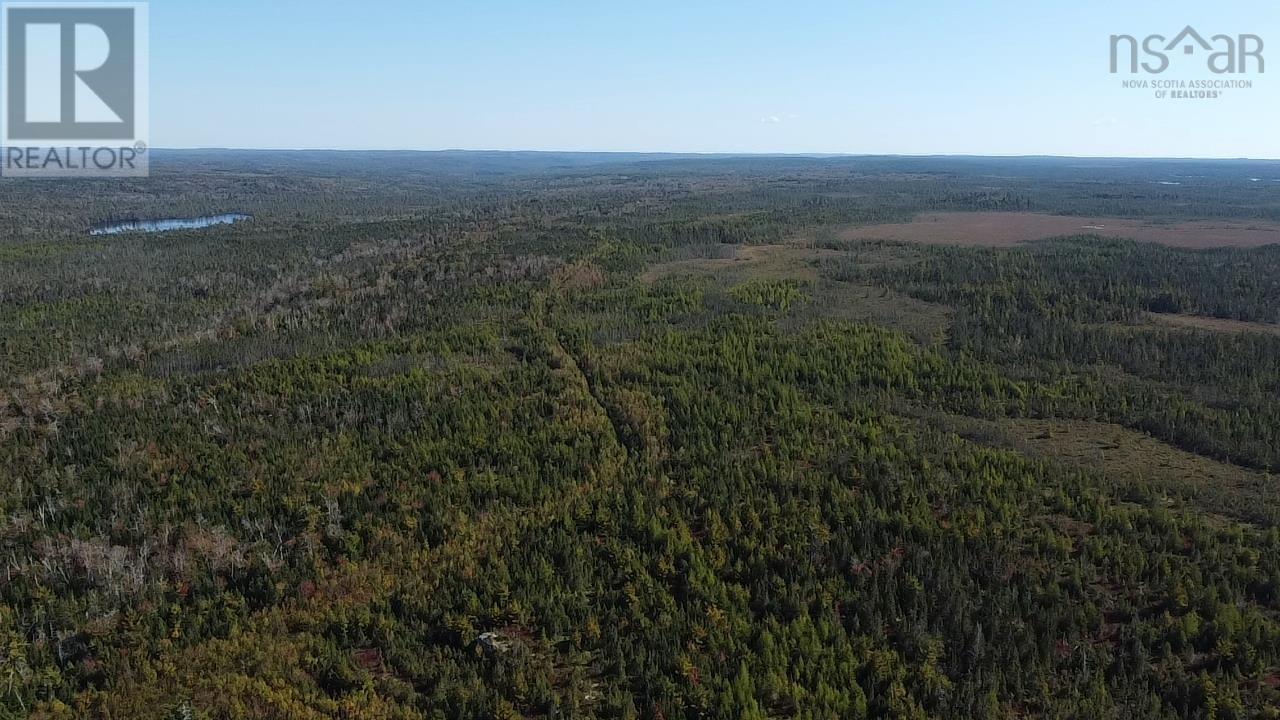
[[1189, 49]]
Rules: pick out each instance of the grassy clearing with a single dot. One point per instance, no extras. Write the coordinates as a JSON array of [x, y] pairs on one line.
[[739, 265], [1130, 458], [926, 323]]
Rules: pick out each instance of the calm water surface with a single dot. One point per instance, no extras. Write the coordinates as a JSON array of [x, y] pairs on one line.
[[167, 224]]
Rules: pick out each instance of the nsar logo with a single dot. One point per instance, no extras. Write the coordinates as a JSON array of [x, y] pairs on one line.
[[1222, 54]]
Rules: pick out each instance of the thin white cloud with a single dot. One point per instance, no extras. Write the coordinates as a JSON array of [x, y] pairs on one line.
[[771, 120]]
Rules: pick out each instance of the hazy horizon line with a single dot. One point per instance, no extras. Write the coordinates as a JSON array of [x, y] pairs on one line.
[[712, 153]]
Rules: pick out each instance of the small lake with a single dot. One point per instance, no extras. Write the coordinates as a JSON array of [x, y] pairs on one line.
[[167, 224]]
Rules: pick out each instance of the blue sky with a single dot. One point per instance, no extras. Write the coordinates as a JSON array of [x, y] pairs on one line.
[[845, 76]]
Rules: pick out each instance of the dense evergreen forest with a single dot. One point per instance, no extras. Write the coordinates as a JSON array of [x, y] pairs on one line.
[[493, 435]]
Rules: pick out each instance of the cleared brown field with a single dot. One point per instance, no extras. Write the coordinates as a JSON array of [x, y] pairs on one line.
[[1197, 322], [1005, 229]]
